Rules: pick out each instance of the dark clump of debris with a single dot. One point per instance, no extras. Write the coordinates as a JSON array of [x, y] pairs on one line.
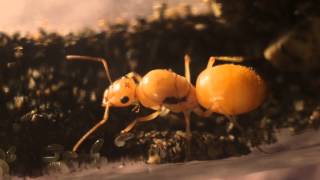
[[48, 103]]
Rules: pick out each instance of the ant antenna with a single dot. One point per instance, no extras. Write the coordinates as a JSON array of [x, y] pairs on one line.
[[103, 61]]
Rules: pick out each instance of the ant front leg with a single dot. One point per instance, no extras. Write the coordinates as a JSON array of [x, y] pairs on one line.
[[94, 128]]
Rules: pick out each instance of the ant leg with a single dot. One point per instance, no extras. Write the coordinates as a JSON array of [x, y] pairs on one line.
[[187, 121], [211, 61], [104, 120], [231, 118], [236, 59], [216, 105], [141, 119], [237, 125], [202, 113], [134, 75], [187, 61], [189, 134], [97, 59]]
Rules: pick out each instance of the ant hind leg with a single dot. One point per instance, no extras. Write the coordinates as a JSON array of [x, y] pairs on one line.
[[189, 134], [187, 61], [239, 127]]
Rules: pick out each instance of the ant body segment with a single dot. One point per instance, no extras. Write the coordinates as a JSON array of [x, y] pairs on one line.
[[230, 89]]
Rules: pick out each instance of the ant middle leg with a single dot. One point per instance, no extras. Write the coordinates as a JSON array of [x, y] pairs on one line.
[[149, 117]]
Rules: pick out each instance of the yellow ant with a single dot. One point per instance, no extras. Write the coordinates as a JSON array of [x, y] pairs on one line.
[[161, 90], [164, 91]]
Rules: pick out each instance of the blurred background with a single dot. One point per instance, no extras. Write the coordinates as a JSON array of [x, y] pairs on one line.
[[66, 16]]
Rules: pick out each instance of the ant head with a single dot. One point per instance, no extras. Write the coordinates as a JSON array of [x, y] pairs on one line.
[[121, 93]]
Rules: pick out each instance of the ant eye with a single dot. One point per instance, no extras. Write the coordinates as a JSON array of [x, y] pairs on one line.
[[124, 99]]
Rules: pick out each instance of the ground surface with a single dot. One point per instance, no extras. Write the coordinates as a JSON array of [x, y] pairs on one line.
[[293, 157]]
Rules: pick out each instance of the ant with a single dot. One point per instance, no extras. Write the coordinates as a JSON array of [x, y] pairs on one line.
[[163, 91]]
